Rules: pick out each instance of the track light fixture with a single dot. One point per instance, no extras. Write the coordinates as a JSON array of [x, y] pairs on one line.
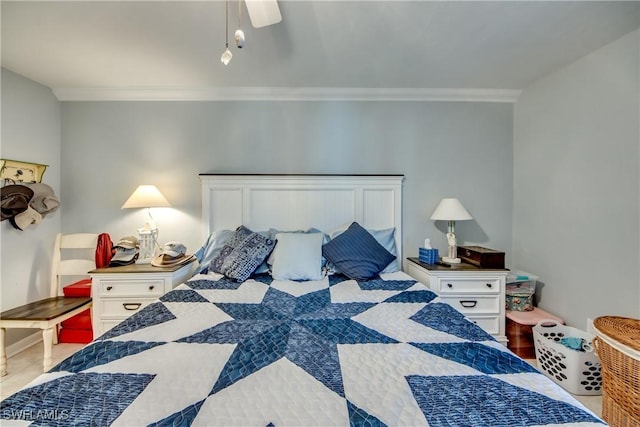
[[261, 13], [239, 35], [226, 55]]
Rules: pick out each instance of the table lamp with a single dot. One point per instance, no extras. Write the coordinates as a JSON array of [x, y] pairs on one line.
[[451, 210], [147, 196]]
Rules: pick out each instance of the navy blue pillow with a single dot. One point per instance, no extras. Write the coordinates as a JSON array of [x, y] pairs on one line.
[[357, 254]]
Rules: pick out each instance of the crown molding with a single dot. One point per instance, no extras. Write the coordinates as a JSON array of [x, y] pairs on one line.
[[285, 94]]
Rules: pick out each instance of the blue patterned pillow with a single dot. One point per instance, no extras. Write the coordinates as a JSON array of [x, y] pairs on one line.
[[245, 258], [357, 254], [212, 247], [238, 236]]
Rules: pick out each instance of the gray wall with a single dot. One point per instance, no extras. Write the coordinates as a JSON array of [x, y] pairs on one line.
[[459, 150], [576, 185], [30, 132]]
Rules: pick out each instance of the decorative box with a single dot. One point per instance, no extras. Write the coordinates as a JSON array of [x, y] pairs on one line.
[[428, 256], [481, 257], [519, 300]]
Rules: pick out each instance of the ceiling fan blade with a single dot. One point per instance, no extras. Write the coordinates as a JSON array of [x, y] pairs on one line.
[[263, 12]]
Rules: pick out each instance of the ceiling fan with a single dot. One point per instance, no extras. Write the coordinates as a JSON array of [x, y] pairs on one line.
[[263, 12]]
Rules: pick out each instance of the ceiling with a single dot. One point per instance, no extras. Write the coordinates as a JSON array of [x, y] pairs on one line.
[[318, 44]]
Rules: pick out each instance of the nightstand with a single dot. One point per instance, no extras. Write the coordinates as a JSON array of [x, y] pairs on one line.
[[119, 292], [477, 292]]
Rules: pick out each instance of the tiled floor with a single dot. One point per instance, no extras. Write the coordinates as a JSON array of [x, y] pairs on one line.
[[594, 403], [24, 367]]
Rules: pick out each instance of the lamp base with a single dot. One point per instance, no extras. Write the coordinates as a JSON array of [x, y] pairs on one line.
[[148, 241], [451, 260]]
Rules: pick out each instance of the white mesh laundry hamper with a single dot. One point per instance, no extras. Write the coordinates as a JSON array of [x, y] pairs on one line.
[[576, 371]]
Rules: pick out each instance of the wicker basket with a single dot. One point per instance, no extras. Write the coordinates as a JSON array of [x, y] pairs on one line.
[[614, 415], [618, 345]]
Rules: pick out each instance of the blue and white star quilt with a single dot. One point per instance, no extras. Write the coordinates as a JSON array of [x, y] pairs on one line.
[[332, 352]]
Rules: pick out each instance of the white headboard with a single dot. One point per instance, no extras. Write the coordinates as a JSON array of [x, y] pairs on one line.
[[291, 202]]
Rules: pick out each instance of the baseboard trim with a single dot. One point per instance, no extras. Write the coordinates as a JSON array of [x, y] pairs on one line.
[[24, 344]]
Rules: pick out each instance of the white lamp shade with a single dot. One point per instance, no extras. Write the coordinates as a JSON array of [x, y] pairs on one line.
[[146, 196], [450, 209]]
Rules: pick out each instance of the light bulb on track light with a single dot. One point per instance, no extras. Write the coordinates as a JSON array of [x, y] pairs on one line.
[[239, 37], [226, 56]]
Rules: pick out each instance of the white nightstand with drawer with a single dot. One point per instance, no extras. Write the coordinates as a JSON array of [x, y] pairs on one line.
[[476, 292], [119, 292]]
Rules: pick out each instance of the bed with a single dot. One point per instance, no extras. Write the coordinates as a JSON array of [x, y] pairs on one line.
[[274, 351]]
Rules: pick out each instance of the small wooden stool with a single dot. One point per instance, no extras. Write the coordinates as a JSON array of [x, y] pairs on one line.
[[44, 314], [519, 326]]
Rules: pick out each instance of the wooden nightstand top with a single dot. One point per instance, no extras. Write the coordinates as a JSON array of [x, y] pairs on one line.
[[463, 266], [139, 268]]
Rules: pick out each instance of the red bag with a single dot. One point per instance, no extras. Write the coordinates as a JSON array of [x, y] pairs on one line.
[[104, 250]]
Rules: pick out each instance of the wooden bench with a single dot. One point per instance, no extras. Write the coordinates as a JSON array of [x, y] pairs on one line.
[[45, 314]]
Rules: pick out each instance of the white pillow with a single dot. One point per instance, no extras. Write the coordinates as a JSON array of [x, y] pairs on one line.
[[297, 256], [273, 232]]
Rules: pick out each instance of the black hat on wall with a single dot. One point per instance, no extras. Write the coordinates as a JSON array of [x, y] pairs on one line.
[[14, 200]]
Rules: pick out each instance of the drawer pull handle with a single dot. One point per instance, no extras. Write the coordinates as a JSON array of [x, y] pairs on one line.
[[449, 285], [151, 287], [468, 303], [109, 288], [489, 285], [132, 306]]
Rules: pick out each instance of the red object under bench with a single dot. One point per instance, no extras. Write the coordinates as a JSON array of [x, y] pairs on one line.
[[77, 329]]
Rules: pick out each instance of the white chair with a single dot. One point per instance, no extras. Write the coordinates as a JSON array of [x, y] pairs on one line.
[[73, 258], [48, 313]]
